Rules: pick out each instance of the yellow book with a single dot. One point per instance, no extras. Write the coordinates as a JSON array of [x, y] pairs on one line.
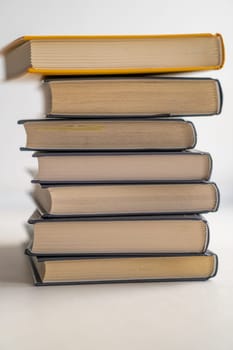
[[113, 54]]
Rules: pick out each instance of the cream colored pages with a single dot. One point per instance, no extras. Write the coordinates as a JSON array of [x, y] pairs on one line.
[[128, 268], [130, 97], [126, 53], [124, 167], [158, 236], [109, 134], [112, 199]]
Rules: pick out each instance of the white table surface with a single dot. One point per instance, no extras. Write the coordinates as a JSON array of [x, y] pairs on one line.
[[190, 315]]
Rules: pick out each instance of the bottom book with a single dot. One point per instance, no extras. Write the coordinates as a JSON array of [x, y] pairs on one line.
[[112, 269]]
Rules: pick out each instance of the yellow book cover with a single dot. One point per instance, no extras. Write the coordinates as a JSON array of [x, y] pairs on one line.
[[113, 54]]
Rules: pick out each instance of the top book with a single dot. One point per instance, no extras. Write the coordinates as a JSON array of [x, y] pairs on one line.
[[113, 54]]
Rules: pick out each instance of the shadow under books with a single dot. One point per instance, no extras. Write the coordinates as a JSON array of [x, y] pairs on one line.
[[14, 267]]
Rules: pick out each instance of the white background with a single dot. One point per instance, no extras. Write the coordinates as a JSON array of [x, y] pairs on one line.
[[135, 316]]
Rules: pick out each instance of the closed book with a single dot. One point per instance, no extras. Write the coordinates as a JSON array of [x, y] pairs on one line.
[[116, 199], [132, 96], [62, 167], [86, 135], [114, 269], [119, 235], [113, 54]]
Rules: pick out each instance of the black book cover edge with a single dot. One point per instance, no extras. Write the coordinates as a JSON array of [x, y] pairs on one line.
[[107, 118], [37, 217], [44, 183], [116, 256], [90, 150], [152, 76], [38, 282], [126, 183], [116, 153], [147, 76]]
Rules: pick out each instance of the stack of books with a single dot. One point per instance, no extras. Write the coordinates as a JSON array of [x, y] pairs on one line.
[[118, 191]]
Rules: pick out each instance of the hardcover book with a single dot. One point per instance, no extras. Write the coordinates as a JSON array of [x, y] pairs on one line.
[[118, 235], [62, 167], [132, 96], [116, 199], [112, 269], [113, 54], [139, 134]]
